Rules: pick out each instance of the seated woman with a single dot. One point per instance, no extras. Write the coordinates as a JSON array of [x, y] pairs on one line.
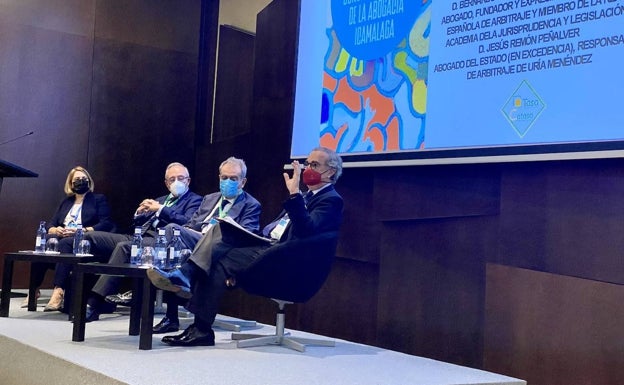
[[83, 208]]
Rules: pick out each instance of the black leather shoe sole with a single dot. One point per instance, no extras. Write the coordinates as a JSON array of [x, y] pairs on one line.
[[193, 341], [165, 283], [177, 337]]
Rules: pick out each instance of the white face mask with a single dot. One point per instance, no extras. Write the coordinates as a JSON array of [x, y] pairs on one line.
[[178, 188]]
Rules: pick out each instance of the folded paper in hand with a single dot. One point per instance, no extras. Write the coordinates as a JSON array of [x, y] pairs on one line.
[[235, 234]]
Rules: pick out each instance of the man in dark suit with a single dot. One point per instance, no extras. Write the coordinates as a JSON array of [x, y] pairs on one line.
[[320, 211], [200, 232], [175, 207], [231, 200]]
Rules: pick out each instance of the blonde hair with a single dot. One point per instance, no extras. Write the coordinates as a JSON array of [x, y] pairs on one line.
[[70, 176]]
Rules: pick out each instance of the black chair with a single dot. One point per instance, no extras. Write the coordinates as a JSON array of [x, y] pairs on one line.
[[289, 272]]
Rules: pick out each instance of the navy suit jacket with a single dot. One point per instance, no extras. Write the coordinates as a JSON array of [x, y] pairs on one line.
[[323, 213], [95, 212], [179, 213], [245, 211]]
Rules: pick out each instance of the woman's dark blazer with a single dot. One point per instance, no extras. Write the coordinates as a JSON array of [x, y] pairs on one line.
[[95, 212]]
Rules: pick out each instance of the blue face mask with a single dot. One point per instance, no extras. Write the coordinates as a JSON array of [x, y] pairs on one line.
[[229, 188]]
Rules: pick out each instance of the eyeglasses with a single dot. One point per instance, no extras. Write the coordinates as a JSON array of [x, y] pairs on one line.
[[79, 178], [313, 165], [180, 178], [234, 178]]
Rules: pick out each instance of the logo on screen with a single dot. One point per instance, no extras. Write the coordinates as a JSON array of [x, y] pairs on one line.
[[523, 108]]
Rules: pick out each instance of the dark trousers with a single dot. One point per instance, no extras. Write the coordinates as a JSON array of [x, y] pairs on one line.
[[117, 246], [209, 288], [62, 270]]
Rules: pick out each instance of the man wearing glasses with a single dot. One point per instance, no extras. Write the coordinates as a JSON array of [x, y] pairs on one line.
[[176, 207], [201, 231], [231, 200], [319, 211]]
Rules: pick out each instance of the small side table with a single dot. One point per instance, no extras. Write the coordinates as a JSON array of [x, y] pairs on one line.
[[31, 257], [141, 309]]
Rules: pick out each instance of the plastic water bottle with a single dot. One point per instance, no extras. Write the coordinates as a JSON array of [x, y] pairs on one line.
[[160, 249], [40, 241], [173, 250], [78, 236], [137, 247]]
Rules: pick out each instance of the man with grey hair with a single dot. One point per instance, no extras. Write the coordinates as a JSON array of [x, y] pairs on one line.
[[176, 207], [231, 201], [317, 211], [232, 179]]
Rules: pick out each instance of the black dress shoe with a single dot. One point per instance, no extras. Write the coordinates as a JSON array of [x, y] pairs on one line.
[[94, 311], [168, 339], [194, 337], [166, 326]]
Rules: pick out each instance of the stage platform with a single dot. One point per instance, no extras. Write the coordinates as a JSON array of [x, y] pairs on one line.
[[36, 348]]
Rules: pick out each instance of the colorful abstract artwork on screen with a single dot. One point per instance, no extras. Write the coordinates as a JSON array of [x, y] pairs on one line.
[[375, 75]]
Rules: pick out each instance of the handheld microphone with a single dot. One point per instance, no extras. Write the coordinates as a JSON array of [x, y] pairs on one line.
[[14, 139]]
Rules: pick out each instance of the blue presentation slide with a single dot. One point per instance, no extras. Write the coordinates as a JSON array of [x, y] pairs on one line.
[[388, 76]]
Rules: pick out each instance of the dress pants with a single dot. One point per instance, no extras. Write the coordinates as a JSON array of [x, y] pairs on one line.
[[103, 243], [63, 270], [203, 250], [65, 245], [189, 237], [109, 244], [120, 253], [209, 288]]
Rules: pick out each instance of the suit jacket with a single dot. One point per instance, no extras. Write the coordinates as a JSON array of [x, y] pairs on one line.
[[95, 212], [179, 213], [323, 213], [245, 211]]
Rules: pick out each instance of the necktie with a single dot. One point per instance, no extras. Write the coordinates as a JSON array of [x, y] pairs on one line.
[[170, 201], [307, 196], [220, 212]]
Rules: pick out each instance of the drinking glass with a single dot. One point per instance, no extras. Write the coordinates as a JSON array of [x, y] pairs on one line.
[[147, 257], [84, 247], [51, 245]]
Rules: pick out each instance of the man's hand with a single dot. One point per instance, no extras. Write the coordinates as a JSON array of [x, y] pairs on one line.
[[148, 205], [292, 184]]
